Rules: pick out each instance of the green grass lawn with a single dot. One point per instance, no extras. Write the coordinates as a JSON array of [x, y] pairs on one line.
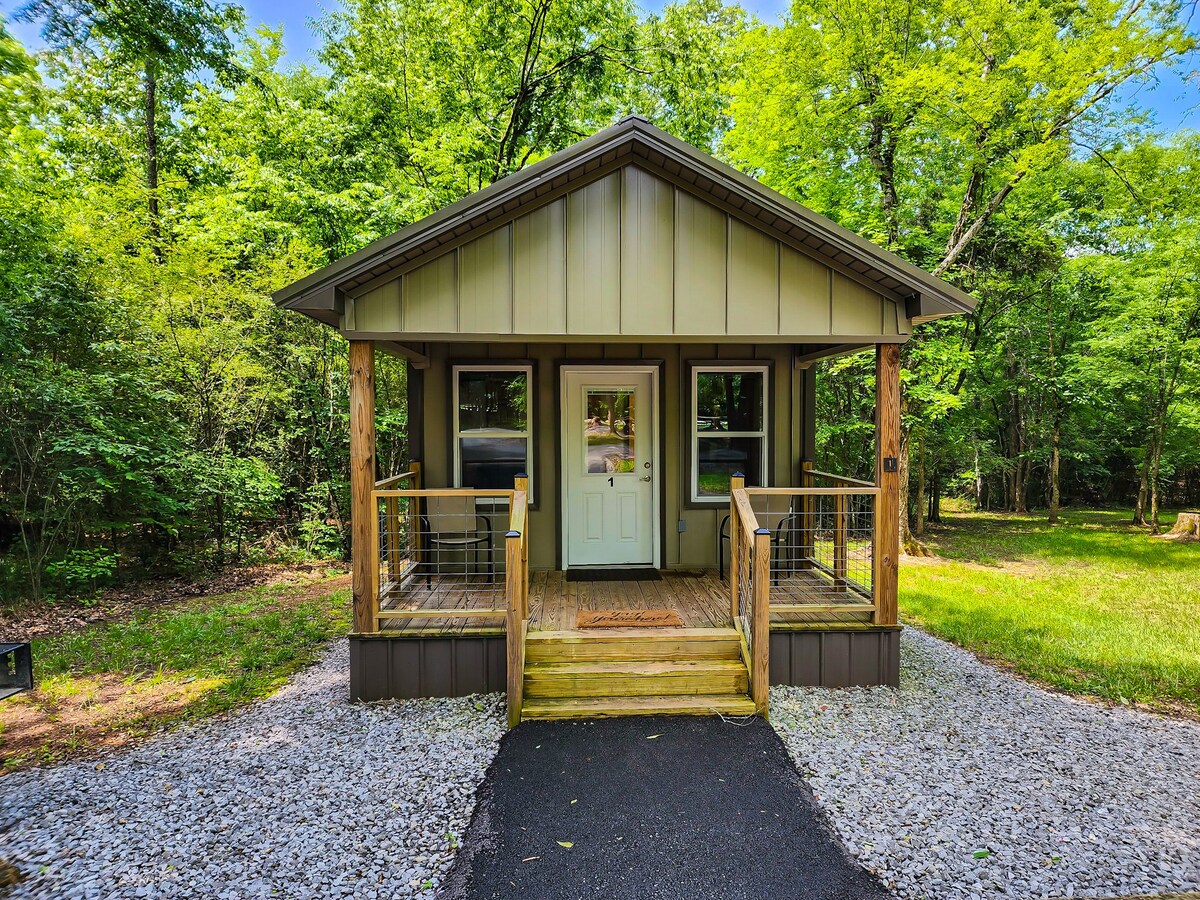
[[1091, 605], [106, 684]]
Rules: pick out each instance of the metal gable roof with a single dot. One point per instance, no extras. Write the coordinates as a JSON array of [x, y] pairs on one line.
[[632, 141]]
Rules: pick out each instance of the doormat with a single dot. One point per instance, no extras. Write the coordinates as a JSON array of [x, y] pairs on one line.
[[627, 618], [606, 574]]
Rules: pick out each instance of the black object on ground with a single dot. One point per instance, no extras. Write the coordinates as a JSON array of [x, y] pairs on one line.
[[648, 808], [16, 669], [605, 574]]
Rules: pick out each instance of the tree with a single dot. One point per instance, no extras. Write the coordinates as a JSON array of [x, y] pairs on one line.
[[162, 39], [1145, 348], [693, 53], [448, 96], [916, 125]]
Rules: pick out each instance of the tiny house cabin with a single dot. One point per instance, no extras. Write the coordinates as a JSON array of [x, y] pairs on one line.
[[612, 506]]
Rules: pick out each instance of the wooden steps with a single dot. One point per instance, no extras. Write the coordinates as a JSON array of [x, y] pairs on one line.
[[604, 707], [634, 671]]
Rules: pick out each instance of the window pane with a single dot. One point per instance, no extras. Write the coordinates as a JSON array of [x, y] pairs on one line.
[[608, 427], [718, 458], [492, 462], [729, 401], [492, 401]]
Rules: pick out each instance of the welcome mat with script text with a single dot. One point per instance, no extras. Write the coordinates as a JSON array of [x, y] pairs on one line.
[[627, 618]]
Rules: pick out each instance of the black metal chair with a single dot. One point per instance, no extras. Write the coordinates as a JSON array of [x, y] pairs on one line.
[[784, 528], [453, 523]]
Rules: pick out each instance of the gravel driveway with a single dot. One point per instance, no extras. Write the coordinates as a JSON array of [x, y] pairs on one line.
[[968, 783], [301, 795]]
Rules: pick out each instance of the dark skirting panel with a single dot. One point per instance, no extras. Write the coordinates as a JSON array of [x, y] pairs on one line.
[[836, 659], [394, 668]]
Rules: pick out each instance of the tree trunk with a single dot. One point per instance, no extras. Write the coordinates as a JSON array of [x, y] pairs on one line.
[[980, 486], [151, 112], [935, 499], [1155, 528], [921, 485], [1055, 460], [220, 529], [1139, 509], [1187, 528], [1022, 487], [882, 153]]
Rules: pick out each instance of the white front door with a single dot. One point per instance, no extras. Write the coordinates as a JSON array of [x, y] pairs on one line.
[[609, 457]]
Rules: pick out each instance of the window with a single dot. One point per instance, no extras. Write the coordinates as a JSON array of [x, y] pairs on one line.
[[729, 428], [492, 426]]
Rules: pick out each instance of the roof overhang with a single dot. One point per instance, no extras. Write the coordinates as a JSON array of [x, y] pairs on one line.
[[632, 141]]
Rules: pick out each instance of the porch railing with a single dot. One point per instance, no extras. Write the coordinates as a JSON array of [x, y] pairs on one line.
[[805, 552], [822, 548], [749, 567], [516, 567], [453, 553]]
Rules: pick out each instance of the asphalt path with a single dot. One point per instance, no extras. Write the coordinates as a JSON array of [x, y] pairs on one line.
[[652, 807]]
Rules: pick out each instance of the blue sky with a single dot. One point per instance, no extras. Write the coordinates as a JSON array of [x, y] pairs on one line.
[[1174, 102]]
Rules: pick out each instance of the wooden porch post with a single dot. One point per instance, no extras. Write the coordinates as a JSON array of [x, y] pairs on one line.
[[737, 482], [760, 625], [363, 557], [886, 555]]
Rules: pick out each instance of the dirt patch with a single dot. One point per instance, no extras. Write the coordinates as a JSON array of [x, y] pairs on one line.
[[100, 712], [30, 621], [79, 716]]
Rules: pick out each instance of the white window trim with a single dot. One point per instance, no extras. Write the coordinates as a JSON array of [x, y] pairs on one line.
[[697, 371], [457, 434]]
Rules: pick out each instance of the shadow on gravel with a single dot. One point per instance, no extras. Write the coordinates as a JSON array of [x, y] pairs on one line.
[[650, 808]]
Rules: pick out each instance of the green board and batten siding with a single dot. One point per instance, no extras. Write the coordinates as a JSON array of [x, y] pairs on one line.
[[630, 257], [694, 547]]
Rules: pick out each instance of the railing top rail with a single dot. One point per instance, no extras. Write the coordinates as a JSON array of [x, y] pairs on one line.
[[747, 519], [385, 483], [445, 492], [519, 512], [846, 480], [870, 491]]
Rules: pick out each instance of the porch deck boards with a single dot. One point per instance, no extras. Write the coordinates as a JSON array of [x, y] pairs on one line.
[[700, 598]]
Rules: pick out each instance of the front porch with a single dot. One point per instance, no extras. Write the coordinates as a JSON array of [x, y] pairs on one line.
[[458, 605], [803, 590], [804, 593]]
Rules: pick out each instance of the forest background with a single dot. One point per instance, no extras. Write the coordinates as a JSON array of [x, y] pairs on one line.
[[164, 167]]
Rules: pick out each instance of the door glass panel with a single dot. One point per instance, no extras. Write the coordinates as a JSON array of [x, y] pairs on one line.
[[608, 430]]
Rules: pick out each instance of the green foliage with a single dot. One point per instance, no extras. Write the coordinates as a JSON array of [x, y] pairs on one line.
[[162, 171], [694, 52], [83, 568], [983, 141]]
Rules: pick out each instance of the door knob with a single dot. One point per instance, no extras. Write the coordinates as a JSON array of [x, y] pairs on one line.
[[645, 478]]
